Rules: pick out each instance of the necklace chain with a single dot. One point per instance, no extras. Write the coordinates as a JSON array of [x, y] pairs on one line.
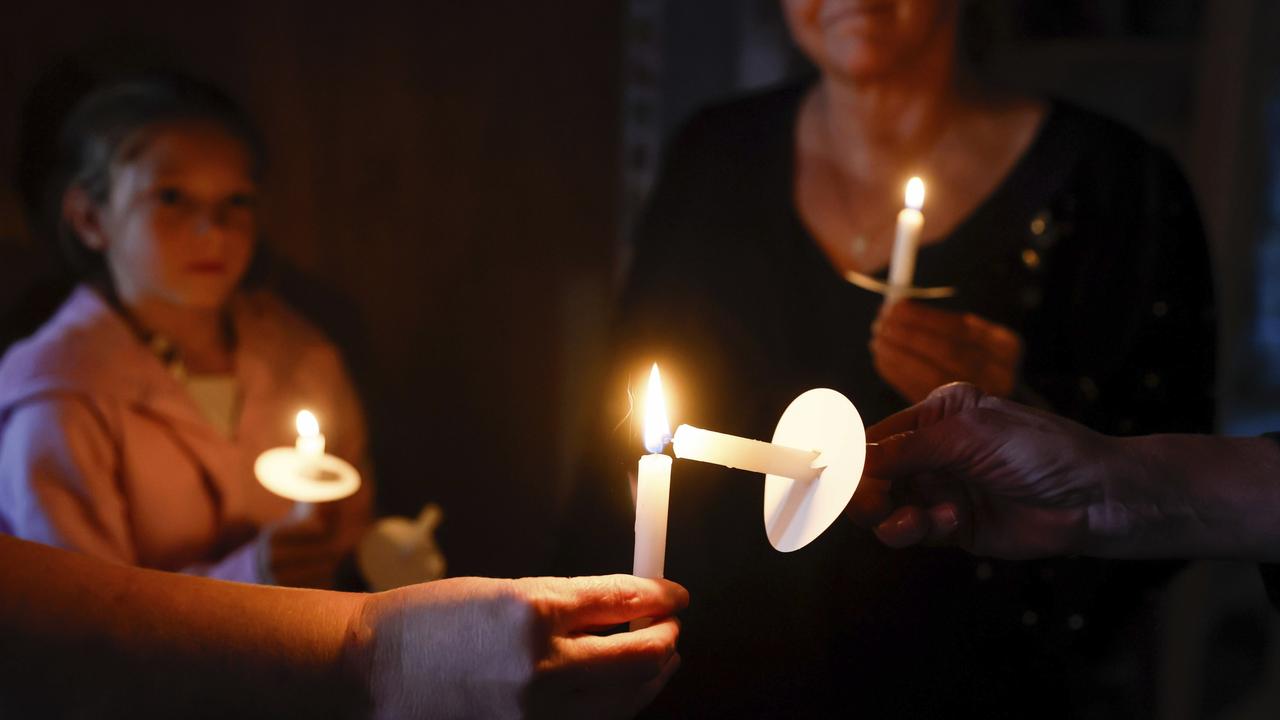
[[861, 242]]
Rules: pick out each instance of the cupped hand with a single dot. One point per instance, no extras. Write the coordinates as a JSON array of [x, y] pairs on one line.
[[917, 348], [989, 475], [306, 551], [486, 648]]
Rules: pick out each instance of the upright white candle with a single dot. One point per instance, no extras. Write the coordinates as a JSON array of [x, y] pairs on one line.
[[653, 486], [708, 446], [310, 447], [310, 442], [902, 266]]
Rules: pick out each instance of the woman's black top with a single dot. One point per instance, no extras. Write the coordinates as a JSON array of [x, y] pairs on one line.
[[1091, 248]]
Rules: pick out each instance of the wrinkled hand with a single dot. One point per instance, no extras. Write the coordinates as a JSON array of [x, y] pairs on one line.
[[306, 552], [989, 475], [485, 648], [917, 348]]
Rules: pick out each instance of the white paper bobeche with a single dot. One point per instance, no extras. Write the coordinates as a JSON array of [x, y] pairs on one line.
[[304, 478], [305, 473], [797, 512]]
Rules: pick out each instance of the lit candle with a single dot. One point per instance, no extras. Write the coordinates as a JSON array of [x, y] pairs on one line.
[[304, 472], [707, 446], [310, 443], [902, 266], [653, 485]]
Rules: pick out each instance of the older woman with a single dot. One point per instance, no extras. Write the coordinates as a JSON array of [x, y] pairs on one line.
[[1082, 283]]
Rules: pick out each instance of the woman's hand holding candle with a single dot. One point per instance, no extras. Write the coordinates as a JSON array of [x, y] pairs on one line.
[[917, 348], [477, 647]]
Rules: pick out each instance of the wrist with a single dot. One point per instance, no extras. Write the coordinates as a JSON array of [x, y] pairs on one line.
[[358, 659], [1115, 521], [1190, 496]]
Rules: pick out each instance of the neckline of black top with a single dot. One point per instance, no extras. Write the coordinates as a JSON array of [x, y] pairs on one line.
[[1027, 172]]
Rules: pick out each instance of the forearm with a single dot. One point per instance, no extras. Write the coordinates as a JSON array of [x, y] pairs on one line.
[[1191, 496], [79, 636], [242, 565]]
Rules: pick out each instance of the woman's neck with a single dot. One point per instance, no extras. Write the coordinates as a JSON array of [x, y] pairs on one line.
[[893, 121]]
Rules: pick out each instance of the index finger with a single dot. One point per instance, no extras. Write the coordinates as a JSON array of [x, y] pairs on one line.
[[942, 403], [605, 600]]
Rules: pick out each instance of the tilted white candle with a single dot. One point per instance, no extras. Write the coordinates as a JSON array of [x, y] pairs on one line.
[[653, 486], [736, 452], [902, 265]]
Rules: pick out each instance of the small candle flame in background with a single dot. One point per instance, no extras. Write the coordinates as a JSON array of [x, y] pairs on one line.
[[915, 193], [657, 429], [307, 424]]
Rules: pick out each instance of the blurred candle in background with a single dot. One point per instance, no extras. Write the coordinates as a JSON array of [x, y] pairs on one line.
[[902, 265], [310, 443]]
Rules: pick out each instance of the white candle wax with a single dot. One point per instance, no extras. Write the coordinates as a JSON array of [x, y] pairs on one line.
[[906, 242], [653, 485], [653, 491], [732, 451]]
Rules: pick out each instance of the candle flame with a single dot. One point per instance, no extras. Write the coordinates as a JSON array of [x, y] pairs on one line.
[[915, 193], [307, 424], [656, 428]]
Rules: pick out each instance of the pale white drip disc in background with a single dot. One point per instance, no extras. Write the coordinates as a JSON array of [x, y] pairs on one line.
[[797, 512], [880, 287], [290, 474]]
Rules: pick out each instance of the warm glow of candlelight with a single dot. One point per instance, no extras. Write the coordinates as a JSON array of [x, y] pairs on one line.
[[307, 424], [915, 193], [656, 427], [310, 442]]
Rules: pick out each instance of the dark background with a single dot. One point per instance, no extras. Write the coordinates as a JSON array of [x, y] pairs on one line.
[[453, 182]]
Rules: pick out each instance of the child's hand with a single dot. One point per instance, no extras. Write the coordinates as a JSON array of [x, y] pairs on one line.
[[306, 552]]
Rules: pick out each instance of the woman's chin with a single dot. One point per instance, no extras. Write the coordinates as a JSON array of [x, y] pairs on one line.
[[864, 63]]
